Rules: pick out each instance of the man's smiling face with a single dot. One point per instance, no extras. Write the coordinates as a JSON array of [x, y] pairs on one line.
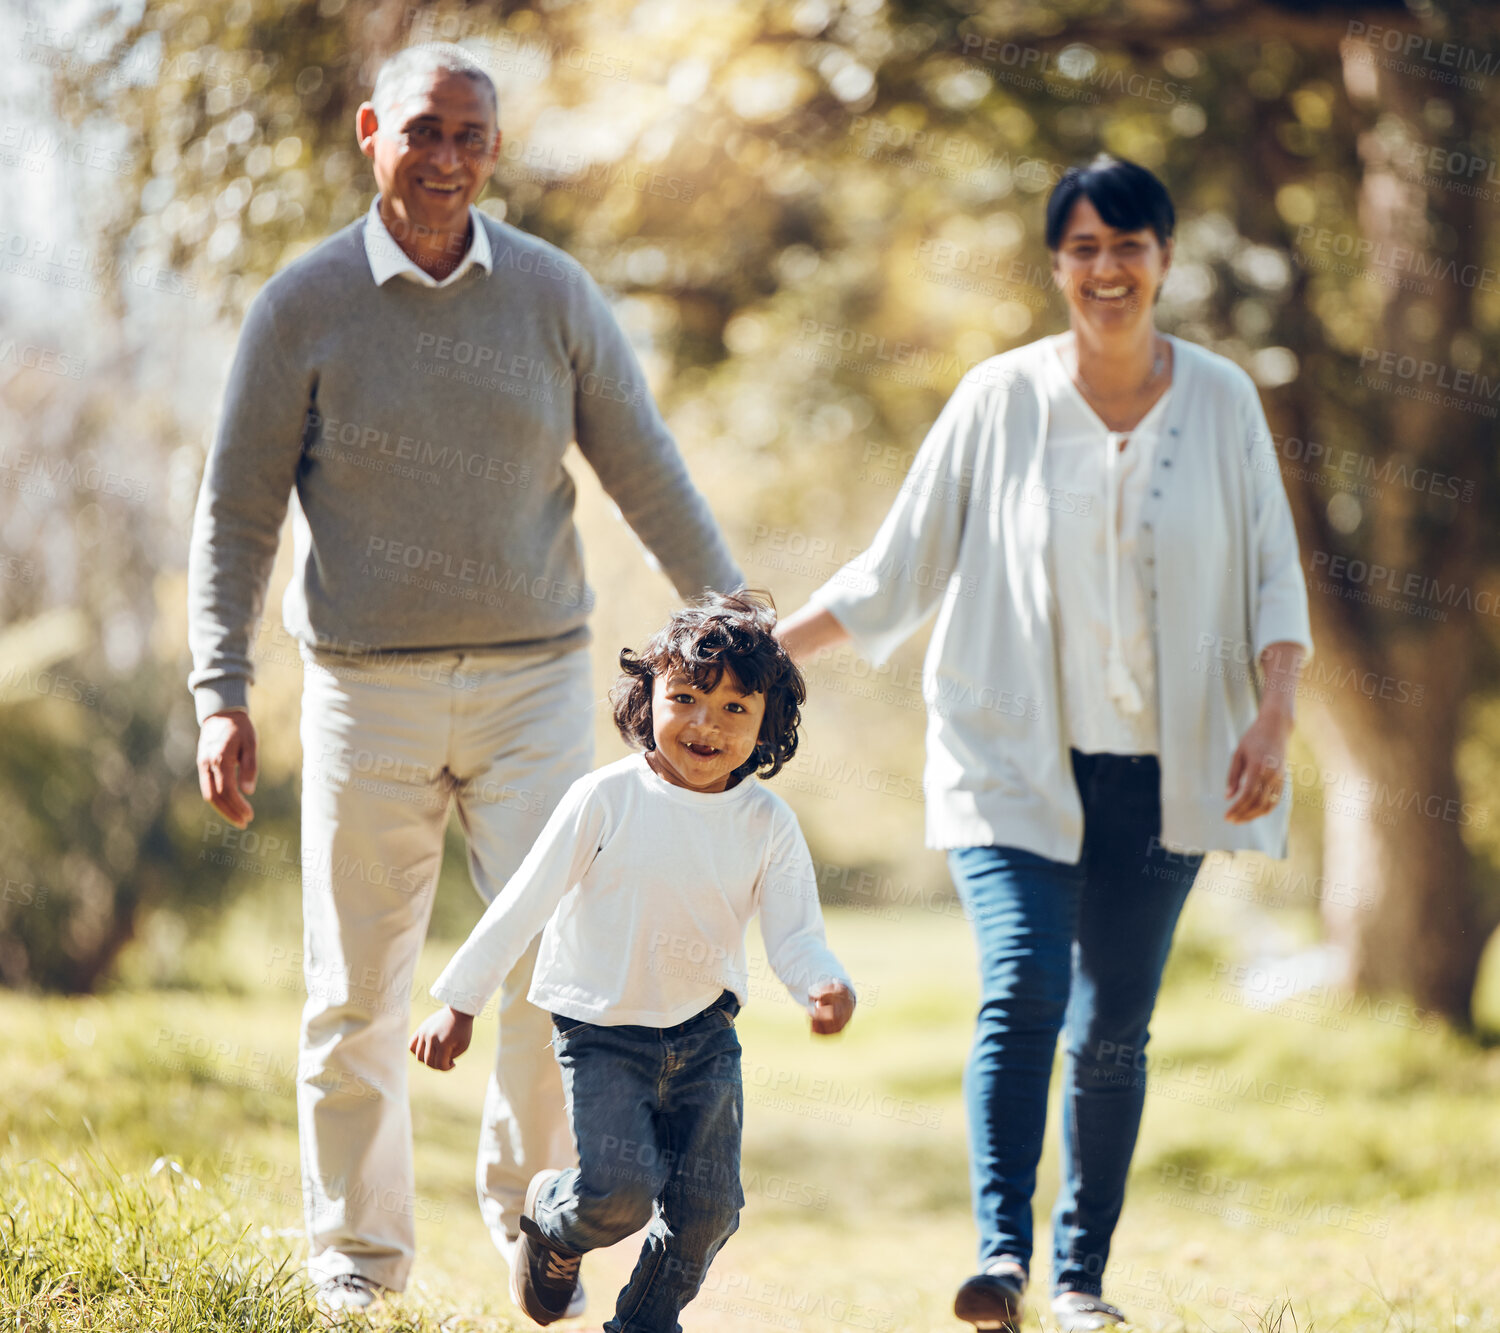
[[433, 153]]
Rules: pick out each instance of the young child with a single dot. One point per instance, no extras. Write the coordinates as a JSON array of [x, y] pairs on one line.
[[645, 879]]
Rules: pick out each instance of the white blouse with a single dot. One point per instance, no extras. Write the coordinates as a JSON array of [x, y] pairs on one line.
[[1216, 553], [1106, 650]]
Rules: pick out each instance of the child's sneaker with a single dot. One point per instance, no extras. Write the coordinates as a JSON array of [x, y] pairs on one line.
[[542, 1275], [507, 1247], [992, 1299]]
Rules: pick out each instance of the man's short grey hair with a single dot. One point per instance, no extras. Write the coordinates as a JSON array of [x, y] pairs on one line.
[[416, 65]]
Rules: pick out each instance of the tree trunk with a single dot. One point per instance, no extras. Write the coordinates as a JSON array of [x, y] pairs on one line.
[[1393, 811], [1400, 906], [1393, 814]]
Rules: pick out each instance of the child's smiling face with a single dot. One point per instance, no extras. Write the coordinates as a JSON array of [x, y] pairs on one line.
[[701, 735]]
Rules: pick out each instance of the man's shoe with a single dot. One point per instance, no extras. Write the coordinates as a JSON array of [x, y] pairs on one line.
[[348, 1291], [507, 1247], [543, 1276], [993, 1299], [1078, 1312]]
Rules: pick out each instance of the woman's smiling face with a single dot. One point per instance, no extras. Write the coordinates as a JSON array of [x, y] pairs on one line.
[[1109, 278], [702, 735]]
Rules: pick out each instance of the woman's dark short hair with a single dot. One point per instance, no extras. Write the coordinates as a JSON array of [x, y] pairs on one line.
[[720, 632], [1127, 196]]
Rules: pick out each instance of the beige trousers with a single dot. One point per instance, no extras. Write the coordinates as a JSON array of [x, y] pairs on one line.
[[386, 748]]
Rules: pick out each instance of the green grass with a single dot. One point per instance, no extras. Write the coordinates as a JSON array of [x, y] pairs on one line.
[[1304, 1168], [97, 1249]]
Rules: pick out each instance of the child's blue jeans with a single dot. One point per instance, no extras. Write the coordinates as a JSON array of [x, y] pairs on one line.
[[1077, 948], [657, 1114]]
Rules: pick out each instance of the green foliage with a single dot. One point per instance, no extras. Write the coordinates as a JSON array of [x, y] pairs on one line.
[[792, 173], [91, 835], [817, 215]]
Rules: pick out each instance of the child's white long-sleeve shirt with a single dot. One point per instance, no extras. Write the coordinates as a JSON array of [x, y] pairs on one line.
[[643, 891]]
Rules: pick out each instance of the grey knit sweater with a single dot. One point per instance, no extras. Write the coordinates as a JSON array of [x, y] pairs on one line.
[[419, 434]]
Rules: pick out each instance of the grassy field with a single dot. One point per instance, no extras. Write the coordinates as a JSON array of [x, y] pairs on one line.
[[1314, 1166]]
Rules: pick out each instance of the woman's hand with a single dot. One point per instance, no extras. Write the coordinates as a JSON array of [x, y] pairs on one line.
[[831, 1005], [1256, 772], [443, 1038]]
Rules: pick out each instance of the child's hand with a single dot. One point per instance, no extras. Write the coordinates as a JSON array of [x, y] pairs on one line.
[[832, 1007], [443, 1038]]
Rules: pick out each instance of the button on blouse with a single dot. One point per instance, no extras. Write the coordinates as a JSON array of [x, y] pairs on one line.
[[1097, 479]]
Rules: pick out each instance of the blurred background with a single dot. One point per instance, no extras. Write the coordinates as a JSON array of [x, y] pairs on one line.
[[813, 216]]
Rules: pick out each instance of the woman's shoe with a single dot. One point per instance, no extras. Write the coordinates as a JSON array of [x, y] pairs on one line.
[[1078, 1312], [993, 1299]]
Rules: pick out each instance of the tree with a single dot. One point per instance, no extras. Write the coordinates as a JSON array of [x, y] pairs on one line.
[[1372, 141], [819, 214]]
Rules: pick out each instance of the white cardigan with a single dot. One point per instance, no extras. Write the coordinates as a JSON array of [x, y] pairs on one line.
[[967, 536]]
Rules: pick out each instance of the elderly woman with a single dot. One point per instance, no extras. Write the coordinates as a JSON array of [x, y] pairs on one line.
[[1121, 551]]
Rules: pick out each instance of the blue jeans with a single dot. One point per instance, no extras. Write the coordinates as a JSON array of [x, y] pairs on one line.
[[1077, 948], [657, 1114]]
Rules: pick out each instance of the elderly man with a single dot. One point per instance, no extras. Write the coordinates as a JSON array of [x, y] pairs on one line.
[[411, 384]]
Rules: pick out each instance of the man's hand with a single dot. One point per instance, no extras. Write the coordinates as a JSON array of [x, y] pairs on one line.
[[831, 1006], [443, 1038], [226, 765]]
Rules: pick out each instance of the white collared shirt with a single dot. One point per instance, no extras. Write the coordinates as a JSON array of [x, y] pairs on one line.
[[1092, 554], [389, 260]]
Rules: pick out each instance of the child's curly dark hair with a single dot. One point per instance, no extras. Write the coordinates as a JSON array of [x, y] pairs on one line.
[[719, 632]]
